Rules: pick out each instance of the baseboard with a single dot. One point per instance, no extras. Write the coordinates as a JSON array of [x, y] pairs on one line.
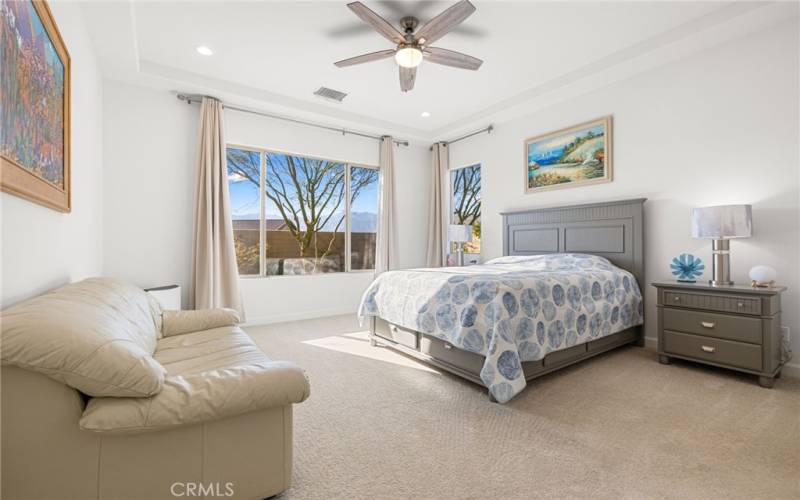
[[789, 369], [282, 318]]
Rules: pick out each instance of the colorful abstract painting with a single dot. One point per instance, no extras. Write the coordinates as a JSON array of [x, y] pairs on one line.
[[570, 157], [33, 98]]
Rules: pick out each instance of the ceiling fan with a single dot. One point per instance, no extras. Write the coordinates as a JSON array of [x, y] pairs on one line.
[[413, 45]]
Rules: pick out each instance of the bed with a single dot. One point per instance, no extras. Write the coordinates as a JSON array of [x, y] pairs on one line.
[[566, 289]]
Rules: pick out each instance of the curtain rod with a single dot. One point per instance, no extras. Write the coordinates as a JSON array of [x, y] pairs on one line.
[[487, 129], [194, 98]]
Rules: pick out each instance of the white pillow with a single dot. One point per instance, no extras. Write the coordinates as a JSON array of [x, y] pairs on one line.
[[97, 335]]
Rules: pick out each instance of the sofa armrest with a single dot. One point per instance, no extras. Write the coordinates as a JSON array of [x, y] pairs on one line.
[[180, 322], [200, 397]]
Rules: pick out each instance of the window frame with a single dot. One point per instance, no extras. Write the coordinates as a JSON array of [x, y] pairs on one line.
[[262, 220]]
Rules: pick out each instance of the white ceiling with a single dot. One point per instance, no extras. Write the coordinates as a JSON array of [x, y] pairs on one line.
[[277, 53]]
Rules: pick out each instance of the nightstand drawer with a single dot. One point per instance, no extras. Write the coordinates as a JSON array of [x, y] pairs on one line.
[[724, 352], [713, 325], [713, 302]]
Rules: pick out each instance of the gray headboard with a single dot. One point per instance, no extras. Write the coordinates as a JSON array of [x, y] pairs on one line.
[[613, 230]]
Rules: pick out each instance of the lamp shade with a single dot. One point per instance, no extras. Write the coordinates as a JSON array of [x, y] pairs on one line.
[[458, 233], [722, 222]]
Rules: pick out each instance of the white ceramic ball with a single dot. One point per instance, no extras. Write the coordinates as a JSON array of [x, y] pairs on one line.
[[763, 274]]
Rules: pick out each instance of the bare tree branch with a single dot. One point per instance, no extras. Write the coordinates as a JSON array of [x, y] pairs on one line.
[[466, 194]]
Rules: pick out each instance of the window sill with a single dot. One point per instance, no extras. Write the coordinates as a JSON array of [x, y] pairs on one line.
[[316, 275]]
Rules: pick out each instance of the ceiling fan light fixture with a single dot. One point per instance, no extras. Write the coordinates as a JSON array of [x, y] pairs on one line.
[[408, 57], [410, 41]]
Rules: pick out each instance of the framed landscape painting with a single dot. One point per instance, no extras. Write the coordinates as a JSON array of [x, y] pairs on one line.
[[574, 156], [34, 105]]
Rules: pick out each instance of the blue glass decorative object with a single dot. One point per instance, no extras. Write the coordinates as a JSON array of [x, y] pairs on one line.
[[687, 268]]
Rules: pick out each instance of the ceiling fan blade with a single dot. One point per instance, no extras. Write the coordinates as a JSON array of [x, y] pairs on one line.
[[378, 23], [442, 24], [451, 58], [407, 78], [365, 58]]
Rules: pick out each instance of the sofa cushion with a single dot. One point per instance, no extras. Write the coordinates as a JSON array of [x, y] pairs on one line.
[[180, 322], [211, 375], [97, 335]]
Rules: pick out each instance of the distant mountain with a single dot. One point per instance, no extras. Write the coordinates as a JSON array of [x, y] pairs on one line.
[[246, 216], [363, 222], [360, 222]]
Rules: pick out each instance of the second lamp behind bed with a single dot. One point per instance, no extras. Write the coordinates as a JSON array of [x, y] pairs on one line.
[[459, 234]]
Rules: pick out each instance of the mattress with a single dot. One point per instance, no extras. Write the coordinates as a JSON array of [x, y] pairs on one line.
[[511, 309]]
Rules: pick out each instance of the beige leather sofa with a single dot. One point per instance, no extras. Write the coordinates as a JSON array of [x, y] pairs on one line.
[[105, 396]]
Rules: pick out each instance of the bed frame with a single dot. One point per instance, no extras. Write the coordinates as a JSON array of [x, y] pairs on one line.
[[614, 230]]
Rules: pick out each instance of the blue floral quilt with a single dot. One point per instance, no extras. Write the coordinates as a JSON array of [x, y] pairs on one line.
[[511, 309]]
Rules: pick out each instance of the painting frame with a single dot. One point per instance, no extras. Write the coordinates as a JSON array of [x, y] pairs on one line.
[[608, 161], [16, 179]]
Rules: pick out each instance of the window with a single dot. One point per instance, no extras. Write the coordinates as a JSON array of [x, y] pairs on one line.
[[465, 184], [244, 184], [296, 215], [363, 217]]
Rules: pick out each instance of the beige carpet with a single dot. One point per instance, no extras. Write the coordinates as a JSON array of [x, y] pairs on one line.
[[378, 425]]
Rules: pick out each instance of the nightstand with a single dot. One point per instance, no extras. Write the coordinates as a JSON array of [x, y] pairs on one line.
[[736, 327]]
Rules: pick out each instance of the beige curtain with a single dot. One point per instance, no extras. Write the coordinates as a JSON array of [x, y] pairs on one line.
[[214, 273], [386, 253], [438, 207]]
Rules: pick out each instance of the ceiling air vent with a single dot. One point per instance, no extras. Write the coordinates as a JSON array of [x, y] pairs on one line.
[[333, 95]]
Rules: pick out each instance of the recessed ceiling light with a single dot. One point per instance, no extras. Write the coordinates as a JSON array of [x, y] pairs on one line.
[[202, 49], [425, 114]]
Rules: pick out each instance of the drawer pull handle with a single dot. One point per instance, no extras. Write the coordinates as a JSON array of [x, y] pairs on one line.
[[447, 346], [708, 324], [707, 348], [677, 299], [740, 304]]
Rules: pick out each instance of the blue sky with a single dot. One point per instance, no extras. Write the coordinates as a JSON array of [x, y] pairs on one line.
[[244, 198], [367, 200]]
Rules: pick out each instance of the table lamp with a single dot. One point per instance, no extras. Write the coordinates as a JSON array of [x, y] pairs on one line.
[[721, 223], [459, 234]]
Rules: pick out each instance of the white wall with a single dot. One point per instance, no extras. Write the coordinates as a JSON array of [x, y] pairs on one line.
[[149, 183], [716, 128], [148, 186], [42, 248]]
